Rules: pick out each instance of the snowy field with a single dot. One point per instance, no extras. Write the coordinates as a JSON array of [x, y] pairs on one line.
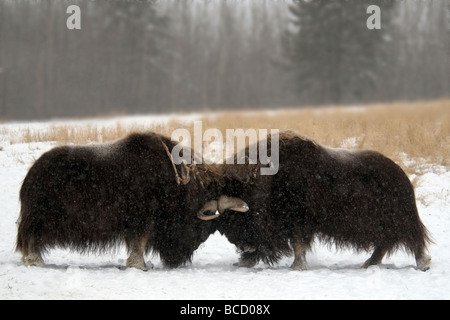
[[332, 274]]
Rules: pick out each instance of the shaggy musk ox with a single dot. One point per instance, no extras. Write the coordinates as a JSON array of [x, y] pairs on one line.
[[92, 198], [357, 199]]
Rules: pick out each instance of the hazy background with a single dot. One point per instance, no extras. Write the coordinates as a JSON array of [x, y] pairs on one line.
[[194, 55]]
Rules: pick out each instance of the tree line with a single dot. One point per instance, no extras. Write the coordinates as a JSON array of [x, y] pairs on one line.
[[195, 55]]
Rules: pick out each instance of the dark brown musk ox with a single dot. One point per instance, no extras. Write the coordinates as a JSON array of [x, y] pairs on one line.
[[93, 198], [357, 199]]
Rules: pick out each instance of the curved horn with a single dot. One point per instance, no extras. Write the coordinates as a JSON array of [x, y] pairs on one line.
[[185, 178], [209, 206], [231, 203], [185, 173], [221, 205]]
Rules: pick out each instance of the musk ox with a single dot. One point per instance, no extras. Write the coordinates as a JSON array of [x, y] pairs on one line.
[[93, 198], [356, 199]]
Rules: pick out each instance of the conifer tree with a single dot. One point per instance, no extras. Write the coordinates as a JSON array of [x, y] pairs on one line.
[[332, 55]]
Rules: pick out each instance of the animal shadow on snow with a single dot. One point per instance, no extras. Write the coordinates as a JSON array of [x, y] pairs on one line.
[[283, 266]]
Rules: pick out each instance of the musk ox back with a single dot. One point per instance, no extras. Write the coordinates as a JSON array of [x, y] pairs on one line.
[[357, 199], [92, 198]]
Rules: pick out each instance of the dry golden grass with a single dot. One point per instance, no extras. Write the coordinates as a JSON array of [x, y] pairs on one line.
[[420, 130]]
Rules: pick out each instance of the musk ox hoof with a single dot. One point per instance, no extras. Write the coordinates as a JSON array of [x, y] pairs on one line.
[[148, 266], [33, 260], [424, 263], [369, 263], [144, 267], [299, 266], [141, 265]]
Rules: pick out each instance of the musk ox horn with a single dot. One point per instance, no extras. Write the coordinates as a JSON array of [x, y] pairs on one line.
[[185, 171], [209, 206], [231, 203], [185, 174], [221, 205]]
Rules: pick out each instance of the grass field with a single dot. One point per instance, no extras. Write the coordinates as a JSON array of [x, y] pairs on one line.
[[402, 131]]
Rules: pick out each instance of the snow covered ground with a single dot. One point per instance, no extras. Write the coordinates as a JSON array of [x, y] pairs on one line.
[[331, 274]]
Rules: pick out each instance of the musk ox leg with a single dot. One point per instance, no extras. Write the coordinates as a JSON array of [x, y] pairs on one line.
[[32, 256], [300, 256], [247, 260], [136, 257], [376, 258], [33, 259], [423, 260]]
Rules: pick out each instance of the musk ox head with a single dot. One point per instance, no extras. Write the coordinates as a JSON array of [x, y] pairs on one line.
[[243, 210], [194, 203]]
